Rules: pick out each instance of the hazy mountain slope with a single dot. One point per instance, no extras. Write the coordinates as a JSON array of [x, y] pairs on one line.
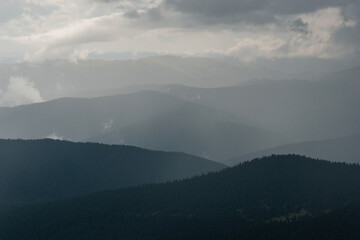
[[78, 119], [342, 149], [217, 206], [44, 170], [147, 119], [346, 75], [302, 109], [56, 79], [199, 131]]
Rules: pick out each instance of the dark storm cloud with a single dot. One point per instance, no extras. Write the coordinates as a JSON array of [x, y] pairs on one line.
[[300, 26], [226, 8], [154, 14], [133, 14], [350, 35], [248, 11], [232, 14], [107, 1], [216, 8], [237, 11]]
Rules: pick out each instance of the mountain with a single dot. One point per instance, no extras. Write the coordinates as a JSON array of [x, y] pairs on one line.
[[303, 110], [240, 202], [55, 79], [147, 119], [199, 131], [78, 118], [341, 149], [346, 75], [43, 170]]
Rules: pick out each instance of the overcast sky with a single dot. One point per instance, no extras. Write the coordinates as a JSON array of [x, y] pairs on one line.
[[35, 30]]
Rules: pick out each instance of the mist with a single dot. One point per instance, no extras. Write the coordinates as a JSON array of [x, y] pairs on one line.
[[179, 119]]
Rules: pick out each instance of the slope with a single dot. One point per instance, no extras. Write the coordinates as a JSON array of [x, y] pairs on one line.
[[199, 131], [305, 110], [341, 149], [77, 118], [222, 205], [147, 119], [43, 170]]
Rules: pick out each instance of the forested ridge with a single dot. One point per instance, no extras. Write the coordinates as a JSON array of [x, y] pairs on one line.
[[44, 170], [261, 199]]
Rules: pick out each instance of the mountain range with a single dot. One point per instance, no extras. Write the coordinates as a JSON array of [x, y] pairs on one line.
[[345, 149], [146, 119], [55, 79], [299, 109]]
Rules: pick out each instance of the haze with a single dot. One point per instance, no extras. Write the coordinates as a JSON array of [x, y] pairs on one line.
[[173, 119]]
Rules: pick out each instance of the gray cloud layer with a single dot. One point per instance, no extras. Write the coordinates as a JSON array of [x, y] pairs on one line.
[[215, 8], [231, 13], [350, 35], [246, 29], [248, 11]]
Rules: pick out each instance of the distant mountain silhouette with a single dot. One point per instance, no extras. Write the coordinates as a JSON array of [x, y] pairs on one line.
[[196, 130], [43, 170], [55, 79], [78, 118], [346, 76], [242, 202], [147, 119], [341, 149], [302, 110]]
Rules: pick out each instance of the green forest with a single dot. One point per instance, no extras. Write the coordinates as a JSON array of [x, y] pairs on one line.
[[275, 197]]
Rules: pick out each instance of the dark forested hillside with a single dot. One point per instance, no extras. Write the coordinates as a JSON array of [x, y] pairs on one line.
[[40, 170], [341, 223], [234, 203]]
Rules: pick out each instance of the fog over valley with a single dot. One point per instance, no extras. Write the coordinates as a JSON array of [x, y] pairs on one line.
[[179, 119]]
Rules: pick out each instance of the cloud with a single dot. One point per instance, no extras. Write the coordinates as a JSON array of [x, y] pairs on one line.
[[300, 26], [64, 42], [223, 10], [320, 28], [9, 10], [19, 91], [107, 126], [217, 12], [53, 136], [73, 31], [249, 49], [349, 33], [311, 35]]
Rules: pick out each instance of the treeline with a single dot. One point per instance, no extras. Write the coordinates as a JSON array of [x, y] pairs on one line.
[[276, 197], [43, 170]]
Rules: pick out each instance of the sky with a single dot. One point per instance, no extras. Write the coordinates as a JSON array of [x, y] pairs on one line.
[[38, 30]]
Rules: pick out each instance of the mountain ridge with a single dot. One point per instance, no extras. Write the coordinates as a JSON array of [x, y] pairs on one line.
[[51, 169], [228, 202], [338, 149]]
